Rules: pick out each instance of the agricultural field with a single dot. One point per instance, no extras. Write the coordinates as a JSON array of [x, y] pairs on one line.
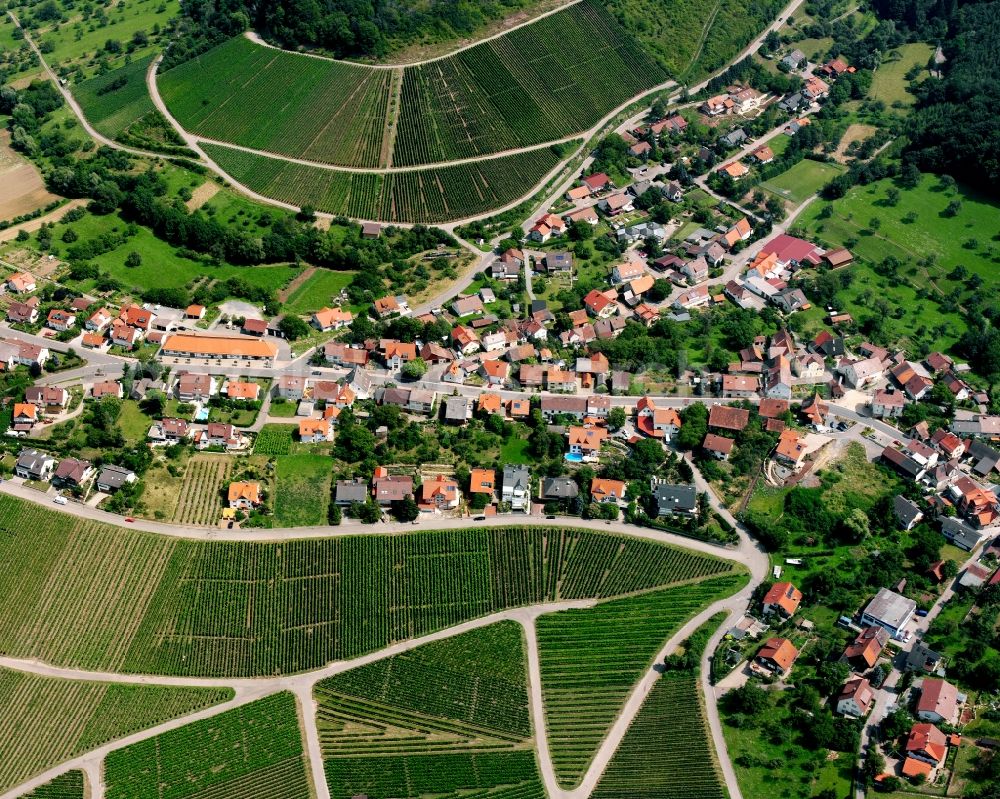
[[929, 243], [311, 108], [23, 187], [302, 489], [417, 196], [200, 501], [253, 750], [450, 716], [539, 83], [273, 440], [667, 752], [66, 786], [802, 181], [68, 717], [173, 606], [115, 100], [590, 660]]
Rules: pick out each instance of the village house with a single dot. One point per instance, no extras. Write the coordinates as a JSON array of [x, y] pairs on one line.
[[315, 431], [855, 698], [340, 354], [34, 465], [169, 431], [516, 487], [656, 422], [782, 599], [926, 748], [21, 283], [391, 488], [723, 417], [863, 653], [718, 447], [107, 388], [72, 472], [607, 491], [23, 313], [241, 390], [674, 500], [217, 434], [939, 701], [586, 441], [890, 611], [328, 319], [48, 398], [396, 353], [483, 481], [60, 320], [439, 493], [776, 656], [112, 478], [887, 404], [192, 387], [244, 495]]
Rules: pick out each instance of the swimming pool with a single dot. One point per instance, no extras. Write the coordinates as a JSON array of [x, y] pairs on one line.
[[201, 415], [574, 457]]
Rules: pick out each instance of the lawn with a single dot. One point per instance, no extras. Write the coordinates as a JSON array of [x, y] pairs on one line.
[[515, 450], [302, 493], [133, 423], [802, 181], [319, 290], [282, 408], [889, 83]]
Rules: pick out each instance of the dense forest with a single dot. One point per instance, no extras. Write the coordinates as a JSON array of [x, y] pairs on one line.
[[954, 129], [344, 28]]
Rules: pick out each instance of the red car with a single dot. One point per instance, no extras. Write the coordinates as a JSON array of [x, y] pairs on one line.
[[129, 519]]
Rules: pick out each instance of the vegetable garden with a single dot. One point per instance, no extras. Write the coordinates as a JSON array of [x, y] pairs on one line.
[[591, 659], [47, 721], [417, 196], [97, 596], [253, 750], [273, 439]]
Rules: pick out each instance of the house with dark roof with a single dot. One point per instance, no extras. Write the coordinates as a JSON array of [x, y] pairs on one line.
[[675, 500]]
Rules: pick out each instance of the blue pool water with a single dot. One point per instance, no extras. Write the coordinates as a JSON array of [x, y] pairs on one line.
[[202, 415], [573, 457]]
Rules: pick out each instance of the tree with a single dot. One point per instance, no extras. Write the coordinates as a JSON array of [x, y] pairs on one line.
[[749, 699], [406, 509], [415, 369], [616, 418], [293, 328], [133, 259], [694, 426]]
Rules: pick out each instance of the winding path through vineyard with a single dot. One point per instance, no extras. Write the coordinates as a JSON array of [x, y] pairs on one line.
[[249, 690]]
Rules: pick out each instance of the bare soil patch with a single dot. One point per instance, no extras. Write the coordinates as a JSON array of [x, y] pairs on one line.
[[23, 189], [205, 192], [34, 224], [852, 134]]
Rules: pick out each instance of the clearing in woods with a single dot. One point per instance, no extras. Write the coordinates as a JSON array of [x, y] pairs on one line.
[[23, 188]]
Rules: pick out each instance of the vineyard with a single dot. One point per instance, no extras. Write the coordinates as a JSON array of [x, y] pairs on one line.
[[254, 750], [200, 500], [113, 101], [541, 82], [666, 753], [418, 196], [97, 596], [591, 659], [538, 83], [65, 786], [47, 721], [280, 102], [273, 439]]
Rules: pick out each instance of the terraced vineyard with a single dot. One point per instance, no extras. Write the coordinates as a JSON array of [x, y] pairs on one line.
[[591, 659], [47, 721], [451, 716], [280, 102], [251, 751], [96, 596], [65, 786], [666, 753], [200, 500], [538, 83], [419, 196]]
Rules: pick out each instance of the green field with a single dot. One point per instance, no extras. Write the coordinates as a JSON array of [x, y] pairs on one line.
[[591, 659], [319, 290], [65, 786], [450, 716], [803, 180], [47, 721], [418, 196], [156, 605], [254, 750], [538, 83], [927, 242], [302, 492], [889, 81]]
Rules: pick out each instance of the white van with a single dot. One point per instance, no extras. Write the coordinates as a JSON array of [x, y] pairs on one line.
[[60, 500]]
